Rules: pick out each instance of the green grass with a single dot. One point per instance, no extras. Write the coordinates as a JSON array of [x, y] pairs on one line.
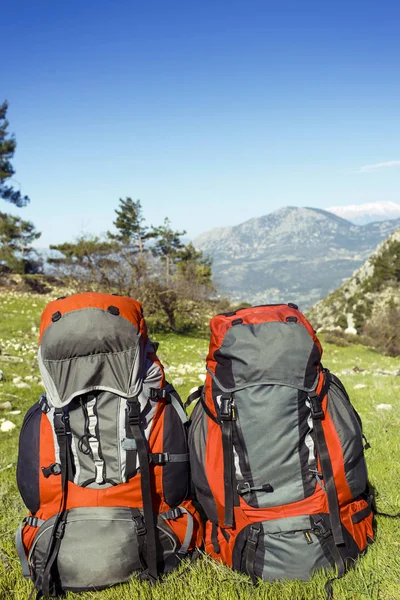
[[376, 576]]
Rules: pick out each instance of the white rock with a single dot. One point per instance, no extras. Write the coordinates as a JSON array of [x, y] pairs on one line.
[[351, 330], [179, 381], [360, 386], [14, 412], [23, 385], [1, 375], [17, 379], [5, 405], [202, 377], [7, 426], [193, 389], [384, 407]]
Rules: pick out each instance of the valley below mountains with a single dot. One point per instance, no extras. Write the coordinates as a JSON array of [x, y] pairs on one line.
[[291, 255]]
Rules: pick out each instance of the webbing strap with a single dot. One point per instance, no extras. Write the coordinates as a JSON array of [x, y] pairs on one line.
[[227, 448], [133, 412], [364, 512], [21, 550], [326, 467], [161, 458], [193, 396], [174, 514], [250, 552], [214, 538], [226, 415], [61, 427], [176, 403]]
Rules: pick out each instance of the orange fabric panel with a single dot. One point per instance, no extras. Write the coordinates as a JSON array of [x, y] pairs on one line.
[[358, 531], [129, 308], [335, 450]]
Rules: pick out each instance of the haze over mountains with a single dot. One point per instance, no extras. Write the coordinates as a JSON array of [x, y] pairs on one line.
[[293, 254], [361, 214]]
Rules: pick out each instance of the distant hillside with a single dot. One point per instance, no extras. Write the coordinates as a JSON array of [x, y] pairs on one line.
[[371, 290], [298, 254]]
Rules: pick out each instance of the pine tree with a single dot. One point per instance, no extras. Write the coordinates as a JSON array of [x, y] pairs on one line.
[[16, 237], [7, 149], [129, 224], [167, 245]]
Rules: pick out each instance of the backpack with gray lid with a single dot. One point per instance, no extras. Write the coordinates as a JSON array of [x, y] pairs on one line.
[[103, 463], [277, 450]]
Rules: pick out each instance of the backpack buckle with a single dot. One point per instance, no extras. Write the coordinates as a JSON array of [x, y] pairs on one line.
[[227, 409], [252, 538], [158, 394], [159, 458], [43, 403], [133, 411], [60, 425], [54, 469], [315, 406], [322, 528], [140, 526]]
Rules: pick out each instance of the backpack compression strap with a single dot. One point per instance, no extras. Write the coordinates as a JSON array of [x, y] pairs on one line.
[[317, 415], [133, 409], [61, 428]]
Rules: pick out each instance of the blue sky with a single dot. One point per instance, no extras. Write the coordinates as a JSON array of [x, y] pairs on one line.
[[210, 112]]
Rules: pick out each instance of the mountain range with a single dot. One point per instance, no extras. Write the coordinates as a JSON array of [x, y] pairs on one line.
[[361, 214], [293, 254]]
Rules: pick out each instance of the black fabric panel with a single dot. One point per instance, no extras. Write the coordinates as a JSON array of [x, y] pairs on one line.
[[303, 412], [28, 459], [311, 368], [223, 370], [175, 475]]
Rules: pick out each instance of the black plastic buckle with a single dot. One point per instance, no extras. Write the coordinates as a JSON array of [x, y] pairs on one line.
[[316, 409], [44, 405], [322, 528], [158, 394], [140, 526], [60, 426], [133, 411], [252, 537], [226, 410], [159, 458], [54, 469], [172, 514], [32, 521]]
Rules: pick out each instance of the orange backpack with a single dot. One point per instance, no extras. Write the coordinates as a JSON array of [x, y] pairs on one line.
[[103, 463], [276, 450]]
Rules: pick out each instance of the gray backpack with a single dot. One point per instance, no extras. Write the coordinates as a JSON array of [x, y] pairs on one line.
[[103, 463], [277, 451]]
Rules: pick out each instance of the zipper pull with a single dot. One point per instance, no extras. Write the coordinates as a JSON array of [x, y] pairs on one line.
[[308, 537]]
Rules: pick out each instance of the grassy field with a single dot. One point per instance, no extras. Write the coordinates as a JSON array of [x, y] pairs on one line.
[[367, 377]]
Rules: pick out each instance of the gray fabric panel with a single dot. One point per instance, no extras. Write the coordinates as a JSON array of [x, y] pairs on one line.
[[273, 352], [85, 466], [90, 349], [350, 437], [21, 550], [286, 554], [197, 451], [99, 547], [268, 416], [107, 415]]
